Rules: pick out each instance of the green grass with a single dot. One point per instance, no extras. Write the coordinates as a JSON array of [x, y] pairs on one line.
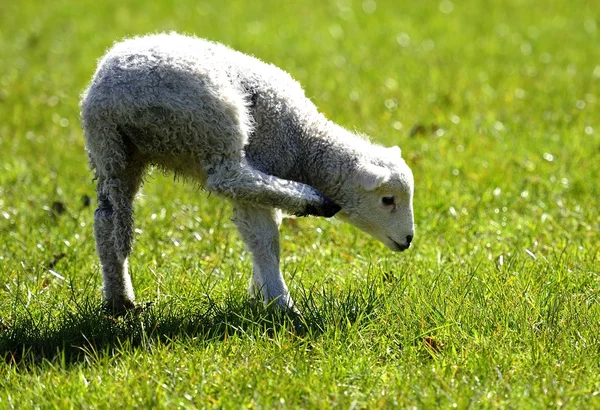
[[496, 108]]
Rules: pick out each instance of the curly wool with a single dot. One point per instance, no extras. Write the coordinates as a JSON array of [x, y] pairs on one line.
[[241, 127], [184, 101]]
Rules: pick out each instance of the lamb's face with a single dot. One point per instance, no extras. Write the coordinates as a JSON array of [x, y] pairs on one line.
[[383, 205]]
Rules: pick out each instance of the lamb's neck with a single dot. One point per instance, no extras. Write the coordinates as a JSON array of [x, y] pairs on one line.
[[329, 159]]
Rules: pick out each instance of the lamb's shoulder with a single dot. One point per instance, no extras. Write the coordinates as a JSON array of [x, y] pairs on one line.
[[280, 113]]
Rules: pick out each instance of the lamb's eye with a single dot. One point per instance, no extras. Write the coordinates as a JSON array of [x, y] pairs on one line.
[[388, 200]]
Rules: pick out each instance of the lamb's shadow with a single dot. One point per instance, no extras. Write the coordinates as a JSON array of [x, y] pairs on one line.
[[72, 336]]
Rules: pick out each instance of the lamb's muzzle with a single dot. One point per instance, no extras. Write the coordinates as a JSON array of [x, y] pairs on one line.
[[404, 246]]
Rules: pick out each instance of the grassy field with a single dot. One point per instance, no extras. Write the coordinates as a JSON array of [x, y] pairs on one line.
[[496, 108]]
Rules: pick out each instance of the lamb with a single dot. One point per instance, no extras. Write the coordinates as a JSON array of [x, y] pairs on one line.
[[243, 129]]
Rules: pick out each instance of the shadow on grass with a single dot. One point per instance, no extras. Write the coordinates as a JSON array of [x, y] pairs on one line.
[[72, 334]]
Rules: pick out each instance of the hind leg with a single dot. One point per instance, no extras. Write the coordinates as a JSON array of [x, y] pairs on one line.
[[226, 125], [259, 228], [113, 231], [239, 181], [118, 290]]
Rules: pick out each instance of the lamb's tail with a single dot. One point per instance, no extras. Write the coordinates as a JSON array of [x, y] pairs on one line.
[[118, 181]]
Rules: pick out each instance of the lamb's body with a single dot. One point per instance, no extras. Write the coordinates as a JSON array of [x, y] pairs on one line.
[[242, 128]]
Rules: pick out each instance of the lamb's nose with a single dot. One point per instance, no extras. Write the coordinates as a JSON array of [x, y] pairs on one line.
[[409, 239]]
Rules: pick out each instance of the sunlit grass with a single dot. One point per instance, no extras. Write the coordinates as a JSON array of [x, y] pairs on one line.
[[495, 106]]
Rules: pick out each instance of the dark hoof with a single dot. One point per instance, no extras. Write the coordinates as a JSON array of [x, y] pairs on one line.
[[125, 308], [288, 317], [331, 209], [327, 208]]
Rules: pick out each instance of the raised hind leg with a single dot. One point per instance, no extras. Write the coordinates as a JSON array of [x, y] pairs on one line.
[[239, 181], [113, 230]]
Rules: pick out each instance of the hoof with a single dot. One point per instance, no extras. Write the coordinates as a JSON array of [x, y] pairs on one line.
[[122, 308], [288, 314], [326, 208]]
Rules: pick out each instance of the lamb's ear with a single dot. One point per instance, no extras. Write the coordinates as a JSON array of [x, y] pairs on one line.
[[396, 151], [370, 176]]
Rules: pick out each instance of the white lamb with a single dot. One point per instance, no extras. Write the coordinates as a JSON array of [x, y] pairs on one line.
[[243, 129]]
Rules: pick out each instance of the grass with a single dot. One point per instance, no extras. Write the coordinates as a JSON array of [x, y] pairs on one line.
[[495, 105]]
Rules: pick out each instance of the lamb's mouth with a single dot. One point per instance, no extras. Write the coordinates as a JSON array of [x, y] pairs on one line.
[[398, 247]]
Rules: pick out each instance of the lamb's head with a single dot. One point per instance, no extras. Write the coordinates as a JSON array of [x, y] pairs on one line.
[[380, 193]]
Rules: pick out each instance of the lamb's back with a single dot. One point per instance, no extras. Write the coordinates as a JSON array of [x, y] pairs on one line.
[[151, 80]]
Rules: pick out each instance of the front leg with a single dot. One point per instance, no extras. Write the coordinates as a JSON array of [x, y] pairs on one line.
[[259, 228]]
